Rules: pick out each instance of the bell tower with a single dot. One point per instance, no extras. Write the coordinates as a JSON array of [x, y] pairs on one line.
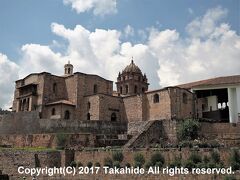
[[68, 69], [131, 81]]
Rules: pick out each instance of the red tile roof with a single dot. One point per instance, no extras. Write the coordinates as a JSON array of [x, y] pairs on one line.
[[226, 80]]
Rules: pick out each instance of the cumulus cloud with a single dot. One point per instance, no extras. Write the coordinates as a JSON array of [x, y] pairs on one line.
[[211, 49], [99, 7], [8, 70]]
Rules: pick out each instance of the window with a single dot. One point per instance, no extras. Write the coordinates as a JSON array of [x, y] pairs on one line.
[[54, 87], [113, 117], [69, 70], [121, 90], [95, 89], [135, 89], [67, 115], [89, 105], [126, 87], [156, 98], [184, 98], [53, 111], [88, 116], [143, 89]]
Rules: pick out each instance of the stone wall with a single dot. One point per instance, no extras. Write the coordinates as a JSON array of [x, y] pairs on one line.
[[29, 123], [10, 160]]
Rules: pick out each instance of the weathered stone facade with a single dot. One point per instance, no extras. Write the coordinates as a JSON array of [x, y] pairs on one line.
[[91, 97]]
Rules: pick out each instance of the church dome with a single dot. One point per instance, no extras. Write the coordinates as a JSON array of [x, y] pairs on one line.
[[132, 68]]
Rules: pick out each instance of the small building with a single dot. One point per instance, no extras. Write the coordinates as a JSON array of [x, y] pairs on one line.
[[218, 98]]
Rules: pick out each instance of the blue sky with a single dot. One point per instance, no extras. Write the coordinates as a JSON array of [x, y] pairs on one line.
[[29, 21], [173, 42]]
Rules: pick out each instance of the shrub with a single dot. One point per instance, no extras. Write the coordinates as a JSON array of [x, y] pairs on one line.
[[206, 159], [188, 129], [230, 177], [79, 164], [139, 160], [189, 164], [117, 156], [97, 164], [73, 164], [89, 164], [61, 140], [215, 157], [108, 162], [176, 162], [235, 159], [148, 164], [116, 164], [195, 158], [157, 159], [128, 165]]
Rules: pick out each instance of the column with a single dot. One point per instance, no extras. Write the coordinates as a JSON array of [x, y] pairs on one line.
[[238, 102], [232, 103]]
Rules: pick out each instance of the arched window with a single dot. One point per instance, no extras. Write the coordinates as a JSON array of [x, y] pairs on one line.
[[113, 117], [135, 89], [126, 87], [120, 89], [89, 105], [69, 70], [156, 98], [53, 111], [184, 98], [88, 116], [54, 87], [95, 89], [67, 115]]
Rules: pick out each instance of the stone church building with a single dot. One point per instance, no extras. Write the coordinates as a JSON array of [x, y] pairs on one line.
[[82, 96]]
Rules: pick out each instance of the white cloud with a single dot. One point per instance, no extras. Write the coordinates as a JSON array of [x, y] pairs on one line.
[[128, 31], [9, 73], [99, 7], [204, 26], [211, 49]]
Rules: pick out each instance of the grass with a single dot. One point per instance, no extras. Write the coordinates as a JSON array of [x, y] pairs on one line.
[[28, 149]]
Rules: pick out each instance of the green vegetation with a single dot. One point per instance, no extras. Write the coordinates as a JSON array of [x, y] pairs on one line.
[[61, 140], [139, 160], [108, 162], [73, 164], [116, 164], [157, 159], [117, 156], [32, 149], [177, 162], [89, 164], [188, 129], [235, 159], [97, 164]]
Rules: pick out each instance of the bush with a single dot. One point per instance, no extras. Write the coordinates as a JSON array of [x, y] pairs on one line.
[[108, 162], [189, 164], [176, 162], [79, 164], [148, 164], [116, 164], [89, 164], [157, 159], [235, 159], [97, 164], [61, 140], [117, 156], [139, 160], [73, 164], [230, 177], [195, 158], [188, 129], [128, 165], [206, 159], [215, 157]]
